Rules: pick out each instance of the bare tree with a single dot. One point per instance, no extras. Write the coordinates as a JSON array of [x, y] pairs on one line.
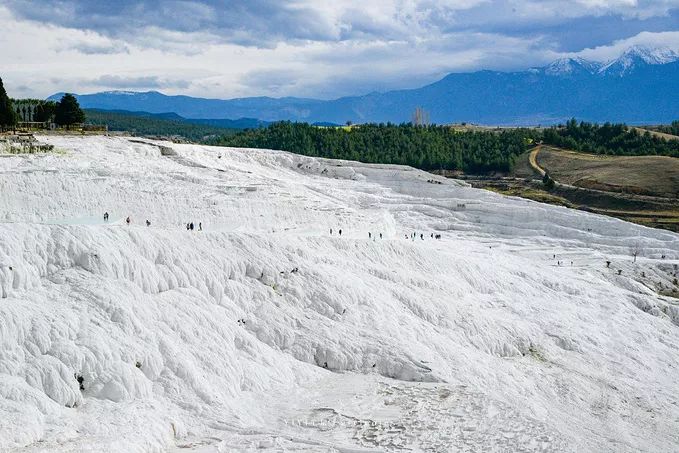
[[420, 117], [635, 249]]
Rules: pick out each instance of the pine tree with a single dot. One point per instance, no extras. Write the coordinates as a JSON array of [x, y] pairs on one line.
[[68, 111], [45, 111], [8, 117]]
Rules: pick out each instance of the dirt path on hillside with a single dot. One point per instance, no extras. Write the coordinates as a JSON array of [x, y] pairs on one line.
[[533, 160]]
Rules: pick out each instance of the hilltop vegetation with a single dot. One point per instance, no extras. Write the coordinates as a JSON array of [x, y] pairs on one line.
[[425, 147], [141, 123], [442, 147], [672, 129], [612, 139]]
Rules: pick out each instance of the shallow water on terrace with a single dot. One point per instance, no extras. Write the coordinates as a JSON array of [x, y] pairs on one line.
[[84, 221]]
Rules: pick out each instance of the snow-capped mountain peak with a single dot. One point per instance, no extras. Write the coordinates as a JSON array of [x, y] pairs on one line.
[[631, 58], [661, 55], [639, 55], [571, 65], [120, 93]]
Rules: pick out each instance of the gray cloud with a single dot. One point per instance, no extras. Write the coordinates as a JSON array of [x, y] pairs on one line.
[[273, 81], [583, 27], [263, 23], [137, 82], [253, 23], [88, 48]]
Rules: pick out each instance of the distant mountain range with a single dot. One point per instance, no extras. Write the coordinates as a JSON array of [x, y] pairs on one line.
[[240, 123], [641, 86]]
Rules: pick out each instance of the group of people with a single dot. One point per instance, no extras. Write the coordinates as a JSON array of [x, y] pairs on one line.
[[559, 262], [189, 226], [128, 220], [412, 236]]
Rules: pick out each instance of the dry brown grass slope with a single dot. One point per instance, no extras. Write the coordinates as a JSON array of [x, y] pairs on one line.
[[643, 175], [656, 133]]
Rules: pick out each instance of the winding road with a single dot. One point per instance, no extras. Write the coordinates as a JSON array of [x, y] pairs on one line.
[[533, 160]]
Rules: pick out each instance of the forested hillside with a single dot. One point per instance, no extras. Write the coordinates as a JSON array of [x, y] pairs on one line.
[[672, 129], [426, 147], [442, 147], [614, 139], [141, 123]]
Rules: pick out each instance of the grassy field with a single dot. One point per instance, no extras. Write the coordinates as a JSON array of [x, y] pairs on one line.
[[644, 189], [642, 175]]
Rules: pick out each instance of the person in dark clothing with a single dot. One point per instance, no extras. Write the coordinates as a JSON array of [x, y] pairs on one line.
[[128, 220], [340, 232], [200, 226], [148, 223], [330, 231], [369, 235], [106, 217], [188, 226], [422, 236], [191, 226], [380, 235]]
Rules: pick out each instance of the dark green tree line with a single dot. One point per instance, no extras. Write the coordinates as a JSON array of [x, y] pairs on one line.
[[148, 125], [613, 139], [425, 147], [442, 147]]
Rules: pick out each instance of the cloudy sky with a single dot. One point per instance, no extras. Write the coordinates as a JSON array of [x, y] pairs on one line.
[[235, 48]]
